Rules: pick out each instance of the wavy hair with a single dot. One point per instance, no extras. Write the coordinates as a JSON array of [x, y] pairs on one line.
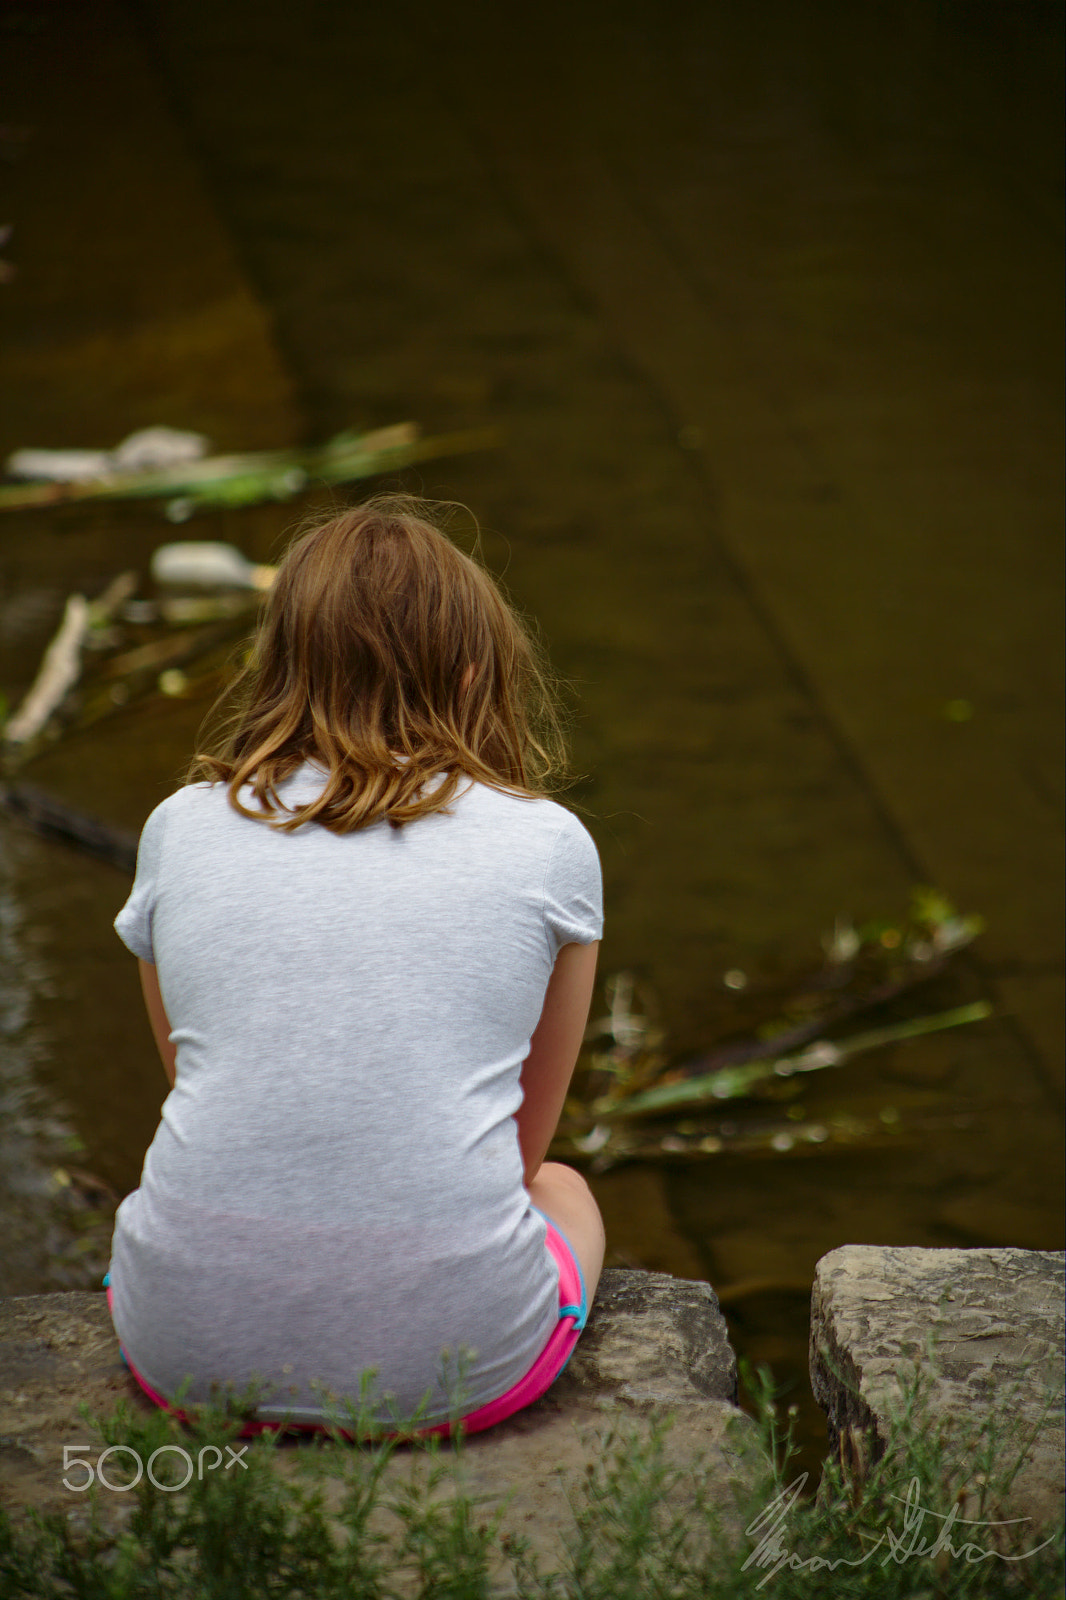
[[389, 657]]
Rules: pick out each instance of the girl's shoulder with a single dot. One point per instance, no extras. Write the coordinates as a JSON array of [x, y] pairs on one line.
[[191, 798], [533, 814], [532, 834], [188, 806]]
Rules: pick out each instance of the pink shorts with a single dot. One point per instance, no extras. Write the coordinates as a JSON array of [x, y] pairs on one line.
[[573, 1310]]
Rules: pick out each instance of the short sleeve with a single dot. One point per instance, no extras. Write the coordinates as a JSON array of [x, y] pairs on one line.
[[134, 922], [573, 889]]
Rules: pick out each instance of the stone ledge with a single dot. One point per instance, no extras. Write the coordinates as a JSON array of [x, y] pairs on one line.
[[652, 1342], [654, 1345], [997, 1324]]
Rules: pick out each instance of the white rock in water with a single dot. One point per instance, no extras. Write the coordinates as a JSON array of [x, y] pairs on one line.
[[153, 449], [60, 466], [147, 450], [202, 564]]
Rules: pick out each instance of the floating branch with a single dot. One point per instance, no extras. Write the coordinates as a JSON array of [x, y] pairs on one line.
[[632, 1101], [606, 1146], [865, 968], [237, 480], [732, 1083]]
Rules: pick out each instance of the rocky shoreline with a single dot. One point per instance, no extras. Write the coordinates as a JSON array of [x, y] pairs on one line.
[[985, 1326]]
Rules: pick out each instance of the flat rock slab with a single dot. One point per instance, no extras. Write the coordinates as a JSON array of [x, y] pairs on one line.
[[654, 1346], [996, 1322]]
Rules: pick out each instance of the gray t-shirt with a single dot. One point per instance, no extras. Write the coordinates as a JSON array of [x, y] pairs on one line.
[[336, 1183]]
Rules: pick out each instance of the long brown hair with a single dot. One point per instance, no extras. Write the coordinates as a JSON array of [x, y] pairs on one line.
[[387, 656]]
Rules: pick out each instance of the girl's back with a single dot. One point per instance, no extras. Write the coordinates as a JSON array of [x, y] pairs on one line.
[[337, 1169]]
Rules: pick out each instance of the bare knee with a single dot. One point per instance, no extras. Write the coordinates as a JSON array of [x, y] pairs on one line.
[[565, 1187], [567, 1178]]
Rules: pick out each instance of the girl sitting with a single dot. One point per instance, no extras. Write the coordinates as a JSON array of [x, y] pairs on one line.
[[367, 945]]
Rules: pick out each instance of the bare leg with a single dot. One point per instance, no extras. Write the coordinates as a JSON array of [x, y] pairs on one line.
[[564, 1196]]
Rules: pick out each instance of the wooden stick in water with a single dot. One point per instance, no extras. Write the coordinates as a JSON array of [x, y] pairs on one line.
[[59, 672], [55, 820]]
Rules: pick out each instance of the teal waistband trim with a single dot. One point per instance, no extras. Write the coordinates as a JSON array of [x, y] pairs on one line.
[[579, 1313]]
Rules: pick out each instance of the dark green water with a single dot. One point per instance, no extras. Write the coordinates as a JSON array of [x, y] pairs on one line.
[[765, 303]]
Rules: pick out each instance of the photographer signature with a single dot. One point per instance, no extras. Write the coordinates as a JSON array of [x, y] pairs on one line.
[[899, 1546]]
